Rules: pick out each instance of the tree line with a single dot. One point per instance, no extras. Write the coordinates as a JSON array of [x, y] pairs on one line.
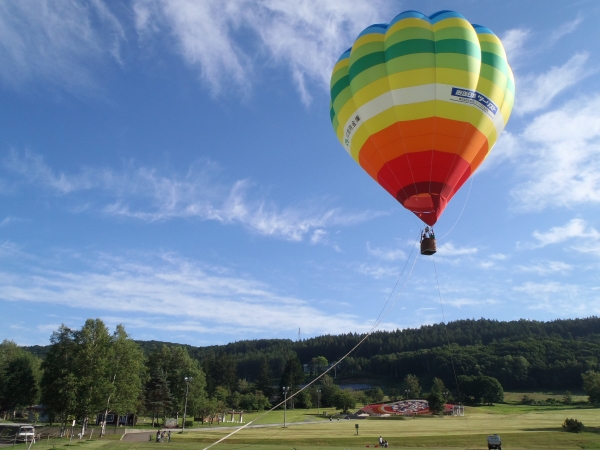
[[88, 372]]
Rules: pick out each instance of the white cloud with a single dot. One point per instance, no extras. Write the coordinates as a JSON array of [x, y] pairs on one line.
[[560, 299], [564, 29], [386, 254], [547, 268], [537, 91], [448, 249], [575, 228], [144, 194], [188, 295], [8, 220], [377, 271], [460, 302], [513, 42], [56, 41], [305, 35], [559, 154]]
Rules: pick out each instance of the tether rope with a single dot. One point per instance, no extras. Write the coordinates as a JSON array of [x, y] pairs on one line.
[[448, 338], [381, 316], [461, 212]]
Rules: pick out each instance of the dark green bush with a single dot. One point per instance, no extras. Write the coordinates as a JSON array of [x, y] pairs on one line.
[[573, 426]]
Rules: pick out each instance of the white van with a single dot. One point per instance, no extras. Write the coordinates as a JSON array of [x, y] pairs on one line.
[[21, 432], [494, 442]]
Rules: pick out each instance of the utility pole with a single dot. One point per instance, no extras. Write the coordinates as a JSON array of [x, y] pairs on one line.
[[318, 400], [285, 392], [188, 380]]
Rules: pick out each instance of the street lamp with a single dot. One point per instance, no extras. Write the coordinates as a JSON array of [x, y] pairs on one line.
[[285, 391], [188, 380], [406, 393], [318, 400]]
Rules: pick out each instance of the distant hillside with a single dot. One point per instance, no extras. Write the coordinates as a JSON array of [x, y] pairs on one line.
[[520, 353]]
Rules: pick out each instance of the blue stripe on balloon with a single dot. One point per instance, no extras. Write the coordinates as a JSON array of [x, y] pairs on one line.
[[441, 15], [344, 55], [410, 15], [378, 28], [482, 30]]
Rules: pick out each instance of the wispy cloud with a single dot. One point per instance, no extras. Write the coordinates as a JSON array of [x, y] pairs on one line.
[[559, 157], [145, 194], [378, 271], [186, 295], [546, 268], [387, 254], [513, 42], [448, 249], [575, 228], [460, 302], [537, 91], [56, 41], [565, 29], [307, 36], [560, 298]]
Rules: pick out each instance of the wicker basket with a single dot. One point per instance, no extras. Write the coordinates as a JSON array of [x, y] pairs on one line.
[[428, 246]]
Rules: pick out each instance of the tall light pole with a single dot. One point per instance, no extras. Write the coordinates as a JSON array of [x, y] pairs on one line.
[[285, 391], [188, 380], [406, 393], [318, 400]]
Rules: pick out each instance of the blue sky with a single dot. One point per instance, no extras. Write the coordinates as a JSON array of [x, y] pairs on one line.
[[170, 165]]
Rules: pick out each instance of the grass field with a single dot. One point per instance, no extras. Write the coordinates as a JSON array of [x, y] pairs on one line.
[[520, 426]]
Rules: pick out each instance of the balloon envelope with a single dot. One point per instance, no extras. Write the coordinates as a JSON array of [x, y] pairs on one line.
[[419, 104]]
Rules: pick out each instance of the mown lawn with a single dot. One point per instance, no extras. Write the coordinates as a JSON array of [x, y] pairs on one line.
[[521, 427]]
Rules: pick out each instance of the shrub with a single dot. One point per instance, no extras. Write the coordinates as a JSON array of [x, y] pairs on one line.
[[573, 426]]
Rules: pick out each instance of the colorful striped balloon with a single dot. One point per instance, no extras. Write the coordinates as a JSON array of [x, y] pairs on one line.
[[420, 102]]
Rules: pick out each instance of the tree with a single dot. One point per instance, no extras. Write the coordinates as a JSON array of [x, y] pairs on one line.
[[292, 376], [158, 395], [328, 390], [436, 399], [375, 394], [481, 388], [125, 370], [18, 377], [87, 371], [177, 365], [411, 382], [59, 384], [220, 371], [318, 364], [91, 368], [264, 382], [591, 385], [345, 400]]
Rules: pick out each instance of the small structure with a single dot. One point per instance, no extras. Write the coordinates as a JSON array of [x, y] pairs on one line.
[[37, 413], [125, 420], [233, 413], [458, 410]]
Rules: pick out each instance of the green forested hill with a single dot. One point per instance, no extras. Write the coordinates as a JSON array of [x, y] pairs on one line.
[[521, 354]]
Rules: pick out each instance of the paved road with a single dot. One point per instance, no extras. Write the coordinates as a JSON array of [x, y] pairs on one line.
[[145, 435]]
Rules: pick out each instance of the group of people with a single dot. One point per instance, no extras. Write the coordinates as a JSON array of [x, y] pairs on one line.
[[427, 234], [382, 442], [162, 436]]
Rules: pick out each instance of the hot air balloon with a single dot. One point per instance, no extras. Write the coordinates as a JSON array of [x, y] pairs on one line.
[[419, 103]]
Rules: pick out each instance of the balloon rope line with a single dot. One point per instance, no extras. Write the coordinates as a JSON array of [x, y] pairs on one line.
[[397, 281], [462, 211], [378, 321], [448, 339]]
